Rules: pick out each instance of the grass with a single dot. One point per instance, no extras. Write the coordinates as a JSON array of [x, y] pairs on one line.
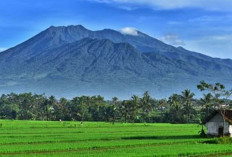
[[38, 138]]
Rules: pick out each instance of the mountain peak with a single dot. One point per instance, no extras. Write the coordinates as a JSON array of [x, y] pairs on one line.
[[80, 27], [181, 48], [73, 58]]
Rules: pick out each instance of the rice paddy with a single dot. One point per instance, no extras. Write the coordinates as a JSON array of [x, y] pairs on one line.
[[100, 139]]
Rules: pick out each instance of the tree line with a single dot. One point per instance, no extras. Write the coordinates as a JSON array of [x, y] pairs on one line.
[[178, 108]]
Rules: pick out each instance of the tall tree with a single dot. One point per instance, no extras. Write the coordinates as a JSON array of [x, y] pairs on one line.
[[135, 106], [113, 109], [187, 100], [162, 106], [82, 108], [146, 105], [124, 110], [207, 107], [219, 95], [217, 91], [176, 108], [61, 110]]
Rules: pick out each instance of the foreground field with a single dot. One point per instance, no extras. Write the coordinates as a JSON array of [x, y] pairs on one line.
[[36, 138]]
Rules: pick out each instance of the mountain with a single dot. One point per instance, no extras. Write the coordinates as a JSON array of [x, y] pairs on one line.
[[72, 60]]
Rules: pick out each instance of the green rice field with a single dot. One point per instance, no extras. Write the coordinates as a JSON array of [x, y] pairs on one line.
[[41, 138]]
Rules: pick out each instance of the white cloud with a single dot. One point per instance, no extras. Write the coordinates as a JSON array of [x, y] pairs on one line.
[[2, 49], [129, 31], [173, 39], [224, 5], [226, 37]]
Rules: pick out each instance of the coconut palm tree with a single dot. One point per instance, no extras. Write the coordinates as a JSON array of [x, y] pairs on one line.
[[174, 101], [114, 108], [187, 100], [115, 100], [135, 105], [207, 105], [175, 110], [146, 104]]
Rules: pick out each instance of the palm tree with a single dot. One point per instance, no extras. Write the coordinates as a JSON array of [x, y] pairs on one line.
[[146, 104], [82, 108], [49, 105], [114, 108], [62, 110], [174, 101], [187, 99], [207, 105], [125, 109], [162, 104], [135, 105], [175, 110], [206, 101], [115, 100], [88, 100]]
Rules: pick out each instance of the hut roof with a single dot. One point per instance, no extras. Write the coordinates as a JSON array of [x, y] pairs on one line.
[[227, 115]]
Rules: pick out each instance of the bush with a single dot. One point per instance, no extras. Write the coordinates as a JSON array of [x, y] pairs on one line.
[[220, 140], [224, 140]]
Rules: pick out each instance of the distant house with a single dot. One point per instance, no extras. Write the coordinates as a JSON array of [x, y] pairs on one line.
[[219, 123]]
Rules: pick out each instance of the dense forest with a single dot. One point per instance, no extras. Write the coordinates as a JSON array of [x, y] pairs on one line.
[[178, 108]]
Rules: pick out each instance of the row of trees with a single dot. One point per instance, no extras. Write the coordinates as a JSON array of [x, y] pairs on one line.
[[178, 108]]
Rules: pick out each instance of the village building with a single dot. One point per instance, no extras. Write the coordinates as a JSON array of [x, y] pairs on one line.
[[219, 123]]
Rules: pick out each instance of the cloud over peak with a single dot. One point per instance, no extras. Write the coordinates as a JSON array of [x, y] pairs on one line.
[[129, 31]]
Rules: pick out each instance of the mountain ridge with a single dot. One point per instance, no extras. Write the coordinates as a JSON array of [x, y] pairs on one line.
[[105, 61]]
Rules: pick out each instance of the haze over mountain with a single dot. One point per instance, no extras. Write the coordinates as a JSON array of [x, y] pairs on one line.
[[72, 60]]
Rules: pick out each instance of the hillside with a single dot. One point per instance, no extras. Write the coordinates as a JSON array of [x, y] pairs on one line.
[[73, 60]]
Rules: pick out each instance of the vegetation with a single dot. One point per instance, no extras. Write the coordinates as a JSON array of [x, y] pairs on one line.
[[69, 138], [178, 108], [42, 126]]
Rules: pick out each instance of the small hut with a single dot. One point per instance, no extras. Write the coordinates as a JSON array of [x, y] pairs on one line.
[[219, 123]]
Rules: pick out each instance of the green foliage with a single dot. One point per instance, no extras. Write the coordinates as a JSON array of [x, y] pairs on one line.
[[47, 138], [179, 108], [220, 140], [224, 140], [27, 106], [216, 91], [217, 98]]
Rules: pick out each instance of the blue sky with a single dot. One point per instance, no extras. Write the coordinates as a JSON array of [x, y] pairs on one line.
[[200, 25]]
